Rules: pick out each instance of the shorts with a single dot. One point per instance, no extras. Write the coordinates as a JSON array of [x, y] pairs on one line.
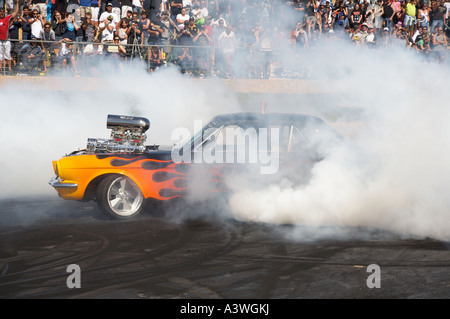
[[311, 19], [94, 13], [5, 50]]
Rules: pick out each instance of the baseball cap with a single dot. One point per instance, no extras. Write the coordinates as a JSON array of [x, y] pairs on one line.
[[109, 4]]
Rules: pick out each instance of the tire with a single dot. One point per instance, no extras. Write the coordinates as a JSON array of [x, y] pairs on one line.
[[119, 197]]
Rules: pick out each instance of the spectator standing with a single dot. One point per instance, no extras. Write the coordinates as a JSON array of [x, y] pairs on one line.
[[145, 21], [126, 5], [423, 16], [137, 6], [116, 8], [14, 30], [201, 54], [26, 27], [356, 17], [169, 29], [95, 11], [181, 18], [48, 38], [446, 4], [388, 15], [85, 6], [5, 44], [128, 17], [37, 23], [197, 14], [397, 5], [227, 44], [135, 37], [374, 15], [164, 6], [89, 28], [299, 7], [340, 17], [213, 9], [58, 25], [350, 4], [300, 37], [41, 7], [47, 35], [110, 14], [107, 29], [155, 32], [438, 12], [399, 16], [311, 17], [175, 8], [410, 17]]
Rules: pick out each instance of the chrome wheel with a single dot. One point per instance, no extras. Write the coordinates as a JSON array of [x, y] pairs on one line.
[[124, 197]]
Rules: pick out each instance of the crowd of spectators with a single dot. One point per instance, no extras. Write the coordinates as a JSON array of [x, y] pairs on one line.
[[225, 37]]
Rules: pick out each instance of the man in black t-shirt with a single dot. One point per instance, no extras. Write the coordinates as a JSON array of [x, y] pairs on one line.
[[200, 54], [437, 15], [135, 36], [176, 6], [155, 30]]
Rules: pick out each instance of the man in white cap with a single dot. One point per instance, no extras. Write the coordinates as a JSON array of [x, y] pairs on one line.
[[108, 14]]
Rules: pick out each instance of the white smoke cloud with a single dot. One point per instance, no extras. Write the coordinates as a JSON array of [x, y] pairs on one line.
[[395, 175]]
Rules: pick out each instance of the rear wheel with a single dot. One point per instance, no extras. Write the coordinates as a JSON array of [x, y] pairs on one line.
[[119, 197]]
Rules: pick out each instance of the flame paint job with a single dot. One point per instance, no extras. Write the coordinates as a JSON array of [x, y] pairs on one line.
[[156, 174]]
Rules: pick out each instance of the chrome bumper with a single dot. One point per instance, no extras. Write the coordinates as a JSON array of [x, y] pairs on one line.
[[56, 183]]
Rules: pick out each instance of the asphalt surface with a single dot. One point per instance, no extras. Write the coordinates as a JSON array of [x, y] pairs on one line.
[[161, 257]]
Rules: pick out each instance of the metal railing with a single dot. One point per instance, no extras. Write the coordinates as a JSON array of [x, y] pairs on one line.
[[91, 58], [192, 59]]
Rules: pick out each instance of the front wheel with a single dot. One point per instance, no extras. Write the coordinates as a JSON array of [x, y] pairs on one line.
[[119, 197]]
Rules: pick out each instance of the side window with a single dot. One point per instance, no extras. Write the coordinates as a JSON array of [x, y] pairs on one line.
[[297, 140], [234, 136], [207, 139]]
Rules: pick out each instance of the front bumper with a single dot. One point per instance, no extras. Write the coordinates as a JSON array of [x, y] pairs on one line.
[[56, 182]]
